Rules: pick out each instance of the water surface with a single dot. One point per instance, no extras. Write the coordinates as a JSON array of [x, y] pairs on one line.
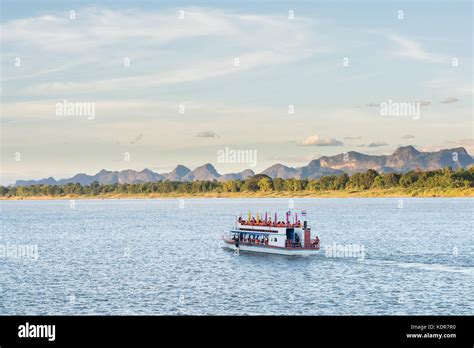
[[160, 257]]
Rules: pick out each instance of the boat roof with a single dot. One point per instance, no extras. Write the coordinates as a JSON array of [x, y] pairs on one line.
[[253, 232]]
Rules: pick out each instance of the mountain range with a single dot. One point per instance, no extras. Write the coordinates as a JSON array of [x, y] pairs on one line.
[[402, 160]]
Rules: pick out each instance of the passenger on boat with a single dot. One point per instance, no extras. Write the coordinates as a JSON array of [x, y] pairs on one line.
[[316, 241]]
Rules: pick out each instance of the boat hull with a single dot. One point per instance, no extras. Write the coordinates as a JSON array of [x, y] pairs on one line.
[[272, 250]]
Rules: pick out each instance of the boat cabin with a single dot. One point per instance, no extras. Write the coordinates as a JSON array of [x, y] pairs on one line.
[[276, 234]]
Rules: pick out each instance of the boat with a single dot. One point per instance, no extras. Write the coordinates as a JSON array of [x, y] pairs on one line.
[[258, 234]]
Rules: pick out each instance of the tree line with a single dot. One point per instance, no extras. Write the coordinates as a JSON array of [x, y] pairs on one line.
[[446, 178]]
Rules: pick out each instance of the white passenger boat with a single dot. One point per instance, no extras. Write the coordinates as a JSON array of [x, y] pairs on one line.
[[274, 237]]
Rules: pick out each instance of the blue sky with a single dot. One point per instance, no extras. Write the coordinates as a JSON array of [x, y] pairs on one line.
[[190, 62]]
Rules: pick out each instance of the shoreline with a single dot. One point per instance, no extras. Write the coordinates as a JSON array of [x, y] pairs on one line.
[[389, 193]]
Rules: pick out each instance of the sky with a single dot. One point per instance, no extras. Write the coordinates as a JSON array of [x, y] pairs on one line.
[[172, 83]]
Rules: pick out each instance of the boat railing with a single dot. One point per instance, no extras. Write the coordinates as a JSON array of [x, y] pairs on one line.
[[312, 244], [307, 245], [269, 224]]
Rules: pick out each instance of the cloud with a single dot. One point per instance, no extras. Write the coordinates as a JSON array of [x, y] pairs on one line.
[[95, 26], [352, 138], [199, 71], [315, 140], [207, 134], [408, 136], [467, 143], [424, 102], [106, 36], [377, 144], [413, 50], [449, 100]]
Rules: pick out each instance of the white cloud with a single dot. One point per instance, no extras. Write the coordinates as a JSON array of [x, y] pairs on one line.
[[449, 100], [377, 144], [207, 134], [315, 140], [423, 102], [467, 143], [96, 27], [199, 71], [204, 43], [411, 49]]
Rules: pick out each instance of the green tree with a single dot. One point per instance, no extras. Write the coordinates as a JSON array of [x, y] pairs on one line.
[[278, 184], [391, 180], [341, 181], [265, 184]]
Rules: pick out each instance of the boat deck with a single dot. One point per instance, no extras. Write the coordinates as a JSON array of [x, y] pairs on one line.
[[288, 246]]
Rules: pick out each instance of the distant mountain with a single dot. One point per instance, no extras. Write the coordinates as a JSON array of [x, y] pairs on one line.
[[206, 172], [280, 171], [131, 176], [315, 169], [177, 174], [48, 181], [404, 159], [82, 179], [128, 176], [237, 176], [353, 162], [408, 158]]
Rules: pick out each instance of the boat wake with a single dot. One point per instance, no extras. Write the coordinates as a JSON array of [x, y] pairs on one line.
[[424, 266]]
